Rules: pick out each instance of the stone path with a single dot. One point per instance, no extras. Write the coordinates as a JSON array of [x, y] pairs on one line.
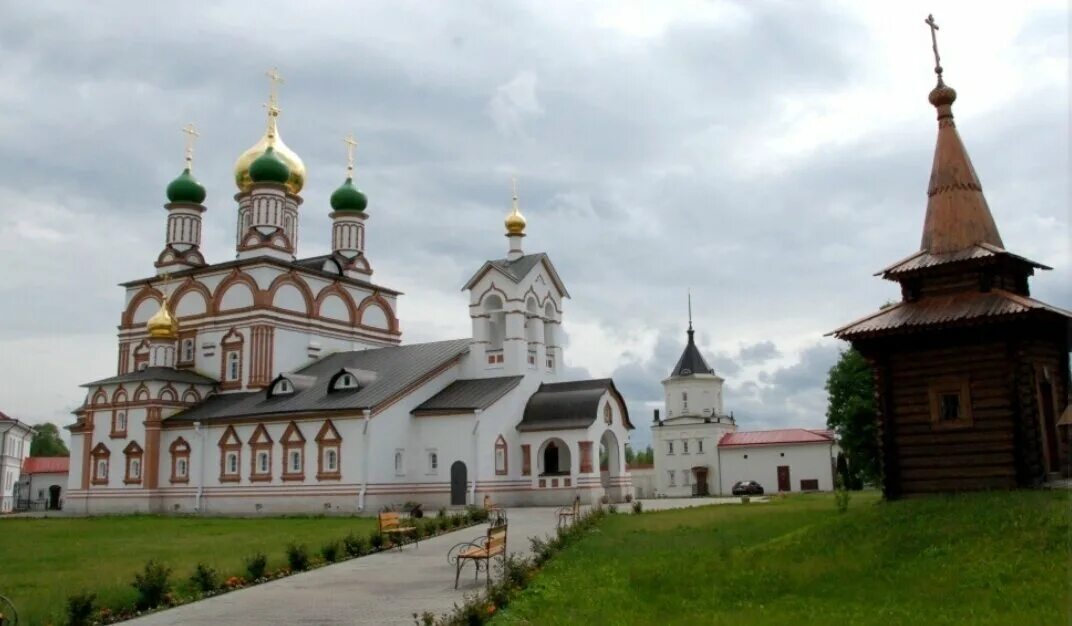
[[383, 588]]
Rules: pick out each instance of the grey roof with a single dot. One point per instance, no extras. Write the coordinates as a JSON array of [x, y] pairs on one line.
[[518, 269], [575, 404], [691, 361], [167, 374], [469, 395], [397, 369]]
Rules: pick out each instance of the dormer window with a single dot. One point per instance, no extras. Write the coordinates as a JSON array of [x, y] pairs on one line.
[[282, 387], [346, 381], [350, 380]]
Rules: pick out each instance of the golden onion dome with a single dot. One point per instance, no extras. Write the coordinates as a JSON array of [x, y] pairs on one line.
[[272, 139], [162, 325], [515, 223]]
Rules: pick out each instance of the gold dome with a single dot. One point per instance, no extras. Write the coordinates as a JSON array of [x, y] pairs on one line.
[[271, 138], [162, 325], [515, 221]]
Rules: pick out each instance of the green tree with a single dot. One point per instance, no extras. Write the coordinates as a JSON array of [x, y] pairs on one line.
[[851, 414], [47, 441]]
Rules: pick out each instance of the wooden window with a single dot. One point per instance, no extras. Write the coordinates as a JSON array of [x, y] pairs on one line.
[[100, 455], [500, 456], [133, 454], [329, 463], [260, 445], [950, 403], [294, 453], [230, 456]]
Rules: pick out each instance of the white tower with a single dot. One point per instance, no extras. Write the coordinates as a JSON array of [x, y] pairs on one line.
[[182, 242], [348, 217]]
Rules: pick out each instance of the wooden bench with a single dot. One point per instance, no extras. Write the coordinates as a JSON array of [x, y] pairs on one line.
[[481, 551], [569, 514], [391, 526]]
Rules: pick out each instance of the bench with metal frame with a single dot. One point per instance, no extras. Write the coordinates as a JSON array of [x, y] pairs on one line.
[[391, 526], [569, 514], [8, 615], [480, 551], [496, 514]]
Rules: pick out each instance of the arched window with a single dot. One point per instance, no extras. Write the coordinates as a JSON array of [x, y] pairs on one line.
[[181, 468], [119, 426], [608, 414], [500, 456], [232, 462], [331, 461], [400, 467], [495, 323]]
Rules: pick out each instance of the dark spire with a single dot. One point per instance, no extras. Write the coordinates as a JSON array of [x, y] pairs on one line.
[[691, 361]]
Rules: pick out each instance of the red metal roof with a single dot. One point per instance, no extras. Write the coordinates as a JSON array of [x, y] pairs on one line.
[[771, 437], [4, 417], [46, 465], [923, 259], [939, 310]]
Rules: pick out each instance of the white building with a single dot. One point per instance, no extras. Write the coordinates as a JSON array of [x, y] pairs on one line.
[[15, 438], [272, 383], [699, 452], [43, 483]]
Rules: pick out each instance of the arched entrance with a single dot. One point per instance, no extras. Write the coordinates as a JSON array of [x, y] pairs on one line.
[[54, 498], [554, 459], [458, 481], [610, 466]]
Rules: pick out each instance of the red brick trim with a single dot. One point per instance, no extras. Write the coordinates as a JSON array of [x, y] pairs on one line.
[[133, 452], [179, 449], [260, 441], [99, 452], [229, 442], [292, 440], [328, 439]]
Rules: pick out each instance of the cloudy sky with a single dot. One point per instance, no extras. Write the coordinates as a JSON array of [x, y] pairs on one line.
[[768, 155]]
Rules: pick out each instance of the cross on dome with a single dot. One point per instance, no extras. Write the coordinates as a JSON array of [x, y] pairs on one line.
[[934, 45], [191, 138], [351, 145]]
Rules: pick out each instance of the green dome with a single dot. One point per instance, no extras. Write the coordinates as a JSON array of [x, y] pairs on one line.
[[348, 198], [185, 188], [269, 168]]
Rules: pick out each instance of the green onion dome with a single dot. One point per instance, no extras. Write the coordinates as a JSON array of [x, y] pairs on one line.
[[348, 198], [269, 168], [185, 188]]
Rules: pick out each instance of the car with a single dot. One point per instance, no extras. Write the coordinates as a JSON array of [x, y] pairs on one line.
[[747, 488]]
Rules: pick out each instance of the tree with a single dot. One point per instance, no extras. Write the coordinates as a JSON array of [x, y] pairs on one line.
[[851, 414], [47, 441]]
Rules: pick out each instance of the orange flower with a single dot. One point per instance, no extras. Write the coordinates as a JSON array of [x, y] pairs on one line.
[[491, 609]]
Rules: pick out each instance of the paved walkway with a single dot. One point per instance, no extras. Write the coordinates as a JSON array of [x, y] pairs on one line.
[[383, 588]]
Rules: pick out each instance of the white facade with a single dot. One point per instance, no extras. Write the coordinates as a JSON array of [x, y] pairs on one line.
[[15, 438], [686, 451], [805, 466]]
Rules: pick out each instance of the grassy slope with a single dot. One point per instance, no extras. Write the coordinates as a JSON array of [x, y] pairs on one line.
[[42, 561], [997, 558]]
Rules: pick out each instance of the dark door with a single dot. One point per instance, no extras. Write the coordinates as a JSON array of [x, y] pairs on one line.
[[550, 459], [458, 481], [783, 478], [1049, 426], [54, 497], [700, 488]]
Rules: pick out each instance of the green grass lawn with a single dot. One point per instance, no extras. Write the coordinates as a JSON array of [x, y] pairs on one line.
[[42, 561], [991, 558]]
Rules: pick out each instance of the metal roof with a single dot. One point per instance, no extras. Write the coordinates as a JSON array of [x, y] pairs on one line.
[[397, 369], [167, 374], [774, 437], [568, 405], [923, 259], [46, 465], [939, 310], [691, 361], [469, 395], [517, 269]]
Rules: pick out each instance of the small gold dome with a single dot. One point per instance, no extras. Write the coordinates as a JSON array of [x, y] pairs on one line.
[[271, 138], [515, 223], [162, 325]]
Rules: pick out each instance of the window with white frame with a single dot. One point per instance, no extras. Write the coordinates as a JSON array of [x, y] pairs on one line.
[[346, 381], [187, 350], [684, 446], [331, 460], [433, 462], [500, 460], [231, 464], [669, 447], [121, 421], [400, 466], [262, 462], [670, 474], [181, 468], [135, 469], [295, 461], [699, 446], [102, 468]]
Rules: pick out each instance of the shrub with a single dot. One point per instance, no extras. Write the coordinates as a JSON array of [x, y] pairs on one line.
[[841, 499], [256, 565], [442, 512], [443, 523], [612, 509], [605, 499], [297, 557], [426, 528], [638, 506], [376, 540], [628, 497], [80, 608], [151, 584], [457, 520], [354, 545], [330, 551], [204, 578]]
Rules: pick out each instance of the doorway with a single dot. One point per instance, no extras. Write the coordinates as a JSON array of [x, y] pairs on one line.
[[699, 487], [54, 498], [1048, 417], [550, 459], [458, 481], [783, 478]]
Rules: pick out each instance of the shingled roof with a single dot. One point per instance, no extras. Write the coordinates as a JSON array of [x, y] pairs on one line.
[[166, 374], [570, 405], [469, 395], [397, 368]]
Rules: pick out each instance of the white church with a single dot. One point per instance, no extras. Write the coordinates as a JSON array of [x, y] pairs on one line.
[[698, 450], [271, 383]]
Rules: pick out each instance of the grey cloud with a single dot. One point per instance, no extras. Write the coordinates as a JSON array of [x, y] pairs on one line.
[[758, 352]]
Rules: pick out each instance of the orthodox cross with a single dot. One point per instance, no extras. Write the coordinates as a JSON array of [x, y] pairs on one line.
[[164, 279], [690, 308], [191, 138], [273, 95], [513, 184], [934, 44], [351, 144]]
